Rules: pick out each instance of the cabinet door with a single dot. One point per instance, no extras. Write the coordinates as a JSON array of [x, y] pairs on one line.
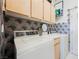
[[0, 6], [57, 51], [52, 14], [37, 9], [3, 3], [19, 6], [57, 48], [46, 10]]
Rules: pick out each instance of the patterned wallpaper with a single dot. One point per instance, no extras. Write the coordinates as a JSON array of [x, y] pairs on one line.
[[23, 24], [62, 28]]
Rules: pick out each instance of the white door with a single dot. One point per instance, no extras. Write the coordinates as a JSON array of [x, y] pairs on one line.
[[74, 31]]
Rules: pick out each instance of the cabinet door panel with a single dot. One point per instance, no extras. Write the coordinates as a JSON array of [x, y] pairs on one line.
[[46, 10], [1, 6], [19, 6], [37, 9], [52, 14], [57, 48], [57, 51]]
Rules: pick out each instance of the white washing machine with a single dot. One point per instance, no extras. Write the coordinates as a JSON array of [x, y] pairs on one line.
[[34, 47]]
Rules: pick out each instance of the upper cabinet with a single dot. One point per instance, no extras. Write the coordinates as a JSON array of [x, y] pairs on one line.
[[47, 10], [52, 14], [3, 3], [0, 6], [19, 6], [40, 10], [37, 9]]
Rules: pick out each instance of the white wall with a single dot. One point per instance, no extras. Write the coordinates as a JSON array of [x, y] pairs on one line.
[[74, 31], [68, 4]]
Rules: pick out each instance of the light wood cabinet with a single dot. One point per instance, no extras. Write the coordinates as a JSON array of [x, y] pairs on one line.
[[3, 3], [57, 48], [47, 10], [1, 6], [52, 14], [19, 6], [37, 9]]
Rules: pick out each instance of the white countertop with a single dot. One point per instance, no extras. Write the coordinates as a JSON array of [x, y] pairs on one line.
[[28, 42]]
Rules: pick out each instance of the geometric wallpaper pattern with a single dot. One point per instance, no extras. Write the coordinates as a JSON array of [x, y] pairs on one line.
[[20, 24], [62, 28], [23, 24]]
